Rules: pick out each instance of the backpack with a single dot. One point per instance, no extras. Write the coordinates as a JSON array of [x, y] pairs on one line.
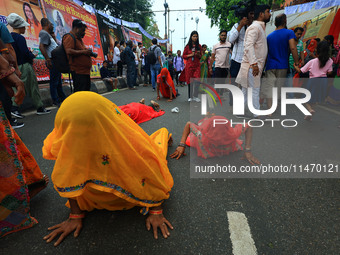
[[151, 57], [59, 57], [123, 57], [176, 60]]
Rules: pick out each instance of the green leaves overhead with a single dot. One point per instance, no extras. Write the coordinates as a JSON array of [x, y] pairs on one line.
[[130, 10], [222, 16]]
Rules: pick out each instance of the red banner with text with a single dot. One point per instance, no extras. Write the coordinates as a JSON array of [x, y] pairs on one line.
[[131, 35], [30, 11], [61, 13]]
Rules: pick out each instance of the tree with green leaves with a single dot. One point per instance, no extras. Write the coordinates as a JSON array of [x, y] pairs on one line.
[[130, 10], [222, 15]]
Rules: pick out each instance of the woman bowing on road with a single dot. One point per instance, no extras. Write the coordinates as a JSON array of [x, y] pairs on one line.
[[92, 143]]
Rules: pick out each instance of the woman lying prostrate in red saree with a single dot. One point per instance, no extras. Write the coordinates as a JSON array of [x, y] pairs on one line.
[[217, 141], [139, 112]]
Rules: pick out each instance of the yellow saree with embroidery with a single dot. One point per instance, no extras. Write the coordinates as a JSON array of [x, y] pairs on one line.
[[105, 160]]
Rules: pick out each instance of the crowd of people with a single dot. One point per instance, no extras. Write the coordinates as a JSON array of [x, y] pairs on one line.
[[245, 54]]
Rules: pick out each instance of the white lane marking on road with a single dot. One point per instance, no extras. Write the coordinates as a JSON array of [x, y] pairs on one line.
[[329, 109], [240, 235]]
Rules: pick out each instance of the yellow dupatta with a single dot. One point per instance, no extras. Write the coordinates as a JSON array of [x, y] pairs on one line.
[[101, 154]]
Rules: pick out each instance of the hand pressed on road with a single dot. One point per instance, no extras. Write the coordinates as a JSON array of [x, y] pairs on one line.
[[178, 152], [251, 159], [158, 221], [64, 229]]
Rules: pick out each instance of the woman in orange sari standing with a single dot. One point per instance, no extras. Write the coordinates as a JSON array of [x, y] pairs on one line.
[[20, 175]]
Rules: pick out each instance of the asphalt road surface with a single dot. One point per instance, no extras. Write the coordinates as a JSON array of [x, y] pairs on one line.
[[210, 215]]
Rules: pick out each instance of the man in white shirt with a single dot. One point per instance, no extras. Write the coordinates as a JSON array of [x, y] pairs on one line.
[[255, 54], [139, 52], [220, 55], [163, 58], [155, 67], [116, 57], [236, 38], [46, 45]]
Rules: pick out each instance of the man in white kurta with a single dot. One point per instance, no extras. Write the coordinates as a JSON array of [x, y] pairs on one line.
[[255, 54]]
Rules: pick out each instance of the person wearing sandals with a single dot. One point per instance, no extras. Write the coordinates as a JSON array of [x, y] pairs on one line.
[[94, 171], [107, 76], [20, 175], [166, 85], [210, 141], [319, 68], [131, 65]]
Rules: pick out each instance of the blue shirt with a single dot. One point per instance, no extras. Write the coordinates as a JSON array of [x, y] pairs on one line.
[[278, 48], [129, 55], [178, 63], [4, 34], [24, 55], [104, 72]]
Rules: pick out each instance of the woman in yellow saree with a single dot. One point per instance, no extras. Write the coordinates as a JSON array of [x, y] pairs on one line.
[[104, 160]]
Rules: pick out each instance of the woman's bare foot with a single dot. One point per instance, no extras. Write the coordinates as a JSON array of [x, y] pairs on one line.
[[142, 101], [35, 188], [156, 105], [308, 117]]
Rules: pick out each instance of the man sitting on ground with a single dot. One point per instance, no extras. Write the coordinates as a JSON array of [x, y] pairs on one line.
[[106, 76]]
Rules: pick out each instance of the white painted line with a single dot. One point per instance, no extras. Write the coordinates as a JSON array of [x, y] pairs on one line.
[[240, 235], [329, 109]]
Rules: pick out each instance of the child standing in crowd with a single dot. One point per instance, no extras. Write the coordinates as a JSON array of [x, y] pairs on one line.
[[319, 67], [178, 66]]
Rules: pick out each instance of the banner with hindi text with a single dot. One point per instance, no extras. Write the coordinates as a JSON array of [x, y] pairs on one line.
[[109, 34], [31, 12], [61, 13], [131, 35]]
